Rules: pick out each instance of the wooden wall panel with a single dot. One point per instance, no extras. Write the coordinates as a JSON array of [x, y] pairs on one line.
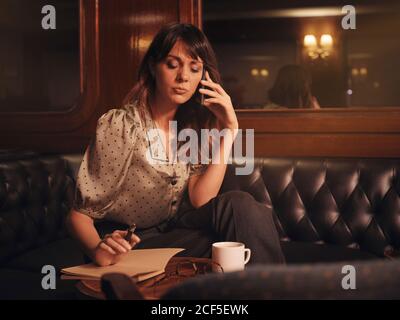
[[128, 28], [330, 120], [327, 145], [332, 132]]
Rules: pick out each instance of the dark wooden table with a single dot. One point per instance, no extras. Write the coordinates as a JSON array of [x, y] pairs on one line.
[[151, 289]]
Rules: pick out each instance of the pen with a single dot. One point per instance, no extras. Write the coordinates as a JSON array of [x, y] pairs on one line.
[[131, 230]]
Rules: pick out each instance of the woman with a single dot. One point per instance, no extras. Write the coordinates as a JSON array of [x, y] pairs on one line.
[[292, 89], [173, 204]]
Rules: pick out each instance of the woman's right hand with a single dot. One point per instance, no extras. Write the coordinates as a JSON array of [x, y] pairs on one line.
[[113, 247]]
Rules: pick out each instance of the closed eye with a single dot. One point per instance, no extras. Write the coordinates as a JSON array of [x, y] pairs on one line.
[[172, 64]]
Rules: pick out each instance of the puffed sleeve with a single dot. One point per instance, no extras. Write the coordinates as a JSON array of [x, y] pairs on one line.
[[105, 163]]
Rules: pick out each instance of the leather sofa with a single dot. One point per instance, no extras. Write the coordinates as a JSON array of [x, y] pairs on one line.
[[326, 210]]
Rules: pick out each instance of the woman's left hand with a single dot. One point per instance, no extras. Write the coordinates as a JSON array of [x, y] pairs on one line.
[[219, 103]]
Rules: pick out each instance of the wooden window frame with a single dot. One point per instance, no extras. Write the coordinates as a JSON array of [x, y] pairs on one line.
[[77, 115]]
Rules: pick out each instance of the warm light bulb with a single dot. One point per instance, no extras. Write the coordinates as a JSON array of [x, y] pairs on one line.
[[326, 40], [254, 72], [363, 71], [264, 72], [310, 40]]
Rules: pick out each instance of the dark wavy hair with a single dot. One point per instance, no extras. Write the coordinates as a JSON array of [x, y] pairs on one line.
[[190, 114], [292, 87]]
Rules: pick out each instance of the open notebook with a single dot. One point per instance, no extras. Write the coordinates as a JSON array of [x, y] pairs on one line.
[[140, 263]]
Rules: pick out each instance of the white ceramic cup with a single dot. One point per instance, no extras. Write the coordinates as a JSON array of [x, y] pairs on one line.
[[231, 256]]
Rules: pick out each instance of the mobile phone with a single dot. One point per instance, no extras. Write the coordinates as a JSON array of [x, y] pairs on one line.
[[203, 77]]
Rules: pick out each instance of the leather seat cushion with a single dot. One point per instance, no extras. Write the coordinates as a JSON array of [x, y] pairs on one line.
[[308, 252]]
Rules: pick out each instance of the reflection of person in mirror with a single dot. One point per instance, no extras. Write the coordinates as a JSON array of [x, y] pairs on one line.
[[292, 89]]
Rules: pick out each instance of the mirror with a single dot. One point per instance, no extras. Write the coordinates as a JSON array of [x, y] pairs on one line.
[[39, 68], [296, 54]]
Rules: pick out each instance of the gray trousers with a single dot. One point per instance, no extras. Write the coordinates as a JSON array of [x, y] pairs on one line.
[[231, 216]]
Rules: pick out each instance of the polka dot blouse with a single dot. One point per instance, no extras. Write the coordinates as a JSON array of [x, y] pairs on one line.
[[117, 181]]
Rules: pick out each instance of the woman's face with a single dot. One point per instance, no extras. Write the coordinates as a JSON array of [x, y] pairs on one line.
[[178, 75]]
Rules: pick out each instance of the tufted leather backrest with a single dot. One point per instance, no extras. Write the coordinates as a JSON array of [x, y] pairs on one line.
[[350, 202], [36, 193]]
